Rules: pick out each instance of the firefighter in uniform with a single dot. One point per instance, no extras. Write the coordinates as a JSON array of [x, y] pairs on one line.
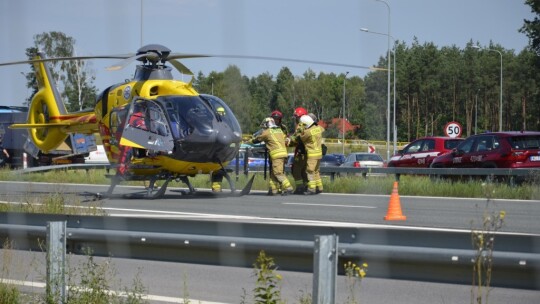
[[298, 168], [278, 120], [274, 139], [311, 136]]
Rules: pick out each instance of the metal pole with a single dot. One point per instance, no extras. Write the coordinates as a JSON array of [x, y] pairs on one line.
[[501, 96], [56, 261], [325, 269], [343, 117], [141, 23], [394, 123], [388, 90], [388, 94], [476, 114]]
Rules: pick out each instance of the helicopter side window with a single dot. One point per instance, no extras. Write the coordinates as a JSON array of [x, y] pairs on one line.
[[158, 124], [139, 119], [117, 121]]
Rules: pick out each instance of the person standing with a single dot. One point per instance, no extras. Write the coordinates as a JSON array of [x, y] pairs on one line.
[[298, 168], [274, 139], [311, 136], [278, 119], [4, 155]]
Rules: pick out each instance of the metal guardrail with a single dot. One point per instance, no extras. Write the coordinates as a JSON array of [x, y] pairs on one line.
[[400, 252], [336, 171]]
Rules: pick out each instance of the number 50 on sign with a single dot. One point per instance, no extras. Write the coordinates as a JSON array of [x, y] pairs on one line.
[[453, 129]]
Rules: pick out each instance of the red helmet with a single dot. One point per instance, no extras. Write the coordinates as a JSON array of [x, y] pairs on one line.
[[299, 112], [276, 114]]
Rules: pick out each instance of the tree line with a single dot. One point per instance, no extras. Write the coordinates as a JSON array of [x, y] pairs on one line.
[[433, 86]]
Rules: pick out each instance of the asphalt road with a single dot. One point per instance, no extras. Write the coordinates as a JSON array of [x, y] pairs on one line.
[[171, 282], [337, 209]]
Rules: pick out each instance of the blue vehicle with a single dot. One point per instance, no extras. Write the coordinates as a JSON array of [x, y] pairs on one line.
[[255, 158], [23, 153]]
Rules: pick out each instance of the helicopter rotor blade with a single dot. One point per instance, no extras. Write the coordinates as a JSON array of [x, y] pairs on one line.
[[181, 67], [186, 56], [122, 64], [32, 61]]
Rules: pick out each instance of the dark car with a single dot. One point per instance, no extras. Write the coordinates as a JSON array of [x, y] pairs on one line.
[[330, 160], [494, 150], [421, 152]]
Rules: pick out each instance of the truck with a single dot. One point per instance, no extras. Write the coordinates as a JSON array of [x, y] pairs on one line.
[[23, 153]]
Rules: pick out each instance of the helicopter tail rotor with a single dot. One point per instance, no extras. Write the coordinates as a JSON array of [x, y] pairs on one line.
[[48, 121], [46, 107]]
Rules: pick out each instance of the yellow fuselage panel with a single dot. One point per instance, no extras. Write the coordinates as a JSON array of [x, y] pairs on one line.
[[151, 89], [162, 163]]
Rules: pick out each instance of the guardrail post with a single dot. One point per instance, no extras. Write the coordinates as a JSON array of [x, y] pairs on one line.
[[56, 261], [325, 269]]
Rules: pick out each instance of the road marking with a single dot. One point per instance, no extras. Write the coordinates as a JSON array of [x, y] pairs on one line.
[[121, 294], [329, 205]]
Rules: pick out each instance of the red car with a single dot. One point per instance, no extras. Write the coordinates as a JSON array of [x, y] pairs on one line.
[[421, 152], [494, 150]]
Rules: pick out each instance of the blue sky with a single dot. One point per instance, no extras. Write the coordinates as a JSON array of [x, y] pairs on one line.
[[318, 30]]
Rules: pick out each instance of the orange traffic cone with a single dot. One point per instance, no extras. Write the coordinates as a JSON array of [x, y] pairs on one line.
[[394, 206]]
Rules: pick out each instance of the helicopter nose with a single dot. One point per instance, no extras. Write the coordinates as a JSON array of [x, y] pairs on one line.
[[224, 138]]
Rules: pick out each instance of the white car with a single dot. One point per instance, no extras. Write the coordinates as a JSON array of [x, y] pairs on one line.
[[364, 160], [97, 157]]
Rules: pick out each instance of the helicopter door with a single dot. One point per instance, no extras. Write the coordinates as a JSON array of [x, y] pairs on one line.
[[146, 127]]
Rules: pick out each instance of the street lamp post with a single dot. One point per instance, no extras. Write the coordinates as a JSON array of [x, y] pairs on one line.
[[343, 117], [476, 114], [388, 109], [394, 127], [501, 85], [388, 91]]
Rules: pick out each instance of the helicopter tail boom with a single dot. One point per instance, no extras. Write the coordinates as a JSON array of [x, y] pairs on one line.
[[48, 121]]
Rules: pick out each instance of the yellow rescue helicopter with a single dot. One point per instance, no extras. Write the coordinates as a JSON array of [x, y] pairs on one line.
[[153, 127]]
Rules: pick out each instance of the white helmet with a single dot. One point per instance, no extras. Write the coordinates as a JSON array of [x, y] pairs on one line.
[[306, 120], [268, 122]]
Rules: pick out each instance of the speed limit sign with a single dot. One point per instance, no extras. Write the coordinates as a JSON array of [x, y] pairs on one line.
[[453, 129]]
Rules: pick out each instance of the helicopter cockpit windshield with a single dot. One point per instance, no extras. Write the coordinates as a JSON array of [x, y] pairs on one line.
[[196, 116]]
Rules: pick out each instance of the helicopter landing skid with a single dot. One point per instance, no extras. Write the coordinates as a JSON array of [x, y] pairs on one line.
[[186, 181], [230, 181], [152, 192], [247, 188], [158, 192]]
